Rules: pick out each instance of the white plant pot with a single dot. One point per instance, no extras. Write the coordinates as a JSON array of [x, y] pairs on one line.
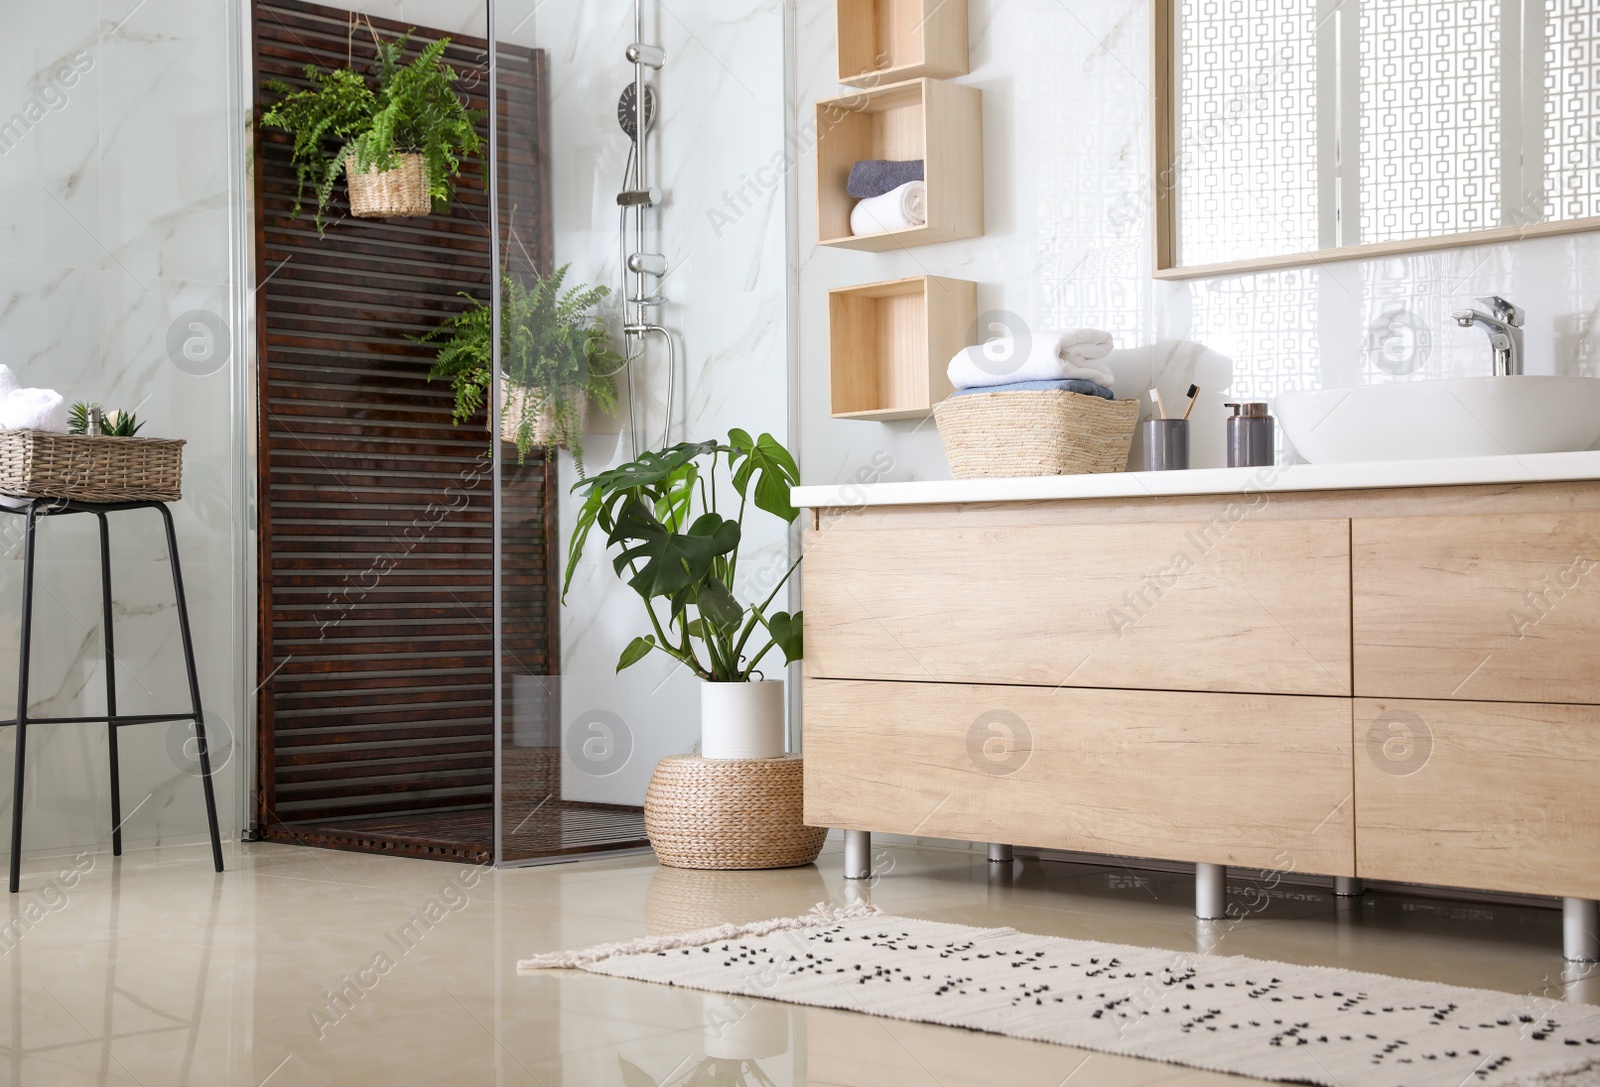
[[741, 720]]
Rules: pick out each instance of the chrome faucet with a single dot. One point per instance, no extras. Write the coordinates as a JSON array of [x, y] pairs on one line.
[[1504, 326]]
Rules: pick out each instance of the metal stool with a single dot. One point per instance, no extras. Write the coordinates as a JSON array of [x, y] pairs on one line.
[[51, 507]]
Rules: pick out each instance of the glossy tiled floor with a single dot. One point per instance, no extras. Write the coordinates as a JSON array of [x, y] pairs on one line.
[[154, 971]]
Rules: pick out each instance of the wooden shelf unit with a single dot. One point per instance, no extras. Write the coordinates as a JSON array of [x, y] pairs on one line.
[[890, 344], [940, 123], [886, 41]]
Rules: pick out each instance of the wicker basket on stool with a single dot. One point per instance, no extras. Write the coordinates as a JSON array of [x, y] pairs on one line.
[[729, 813]]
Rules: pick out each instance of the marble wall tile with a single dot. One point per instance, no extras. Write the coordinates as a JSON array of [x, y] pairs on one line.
[[115, 225], [719, 155]]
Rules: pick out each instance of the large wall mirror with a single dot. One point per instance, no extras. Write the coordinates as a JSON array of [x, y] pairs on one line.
[[1292, 131]]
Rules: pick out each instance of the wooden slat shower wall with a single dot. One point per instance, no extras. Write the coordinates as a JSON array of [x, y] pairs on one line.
[[375, 518]]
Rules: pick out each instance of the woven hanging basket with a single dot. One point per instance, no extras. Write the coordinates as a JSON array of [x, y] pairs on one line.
[[1049, 432], [34, 464], [392, 193], [546, 428], [730, 813]]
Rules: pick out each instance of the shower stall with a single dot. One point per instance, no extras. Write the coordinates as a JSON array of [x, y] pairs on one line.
[[438, 675]]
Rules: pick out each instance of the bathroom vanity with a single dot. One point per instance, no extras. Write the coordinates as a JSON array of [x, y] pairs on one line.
[[1381, 671]]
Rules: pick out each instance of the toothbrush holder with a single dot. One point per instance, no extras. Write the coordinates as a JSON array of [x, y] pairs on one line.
[[1166, 444]]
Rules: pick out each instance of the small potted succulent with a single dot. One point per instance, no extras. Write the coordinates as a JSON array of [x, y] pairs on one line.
[[681, 555], [398, 138], [555, 360], [94, 420]]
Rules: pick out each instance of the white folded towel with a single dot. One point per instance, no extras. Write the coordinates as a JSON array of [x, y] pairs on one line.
[[34, 409], [897, 209], [1052, 356], [8, 381]]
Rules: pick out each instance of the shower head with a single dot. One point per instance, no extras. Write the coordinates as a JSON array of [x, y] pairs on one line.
[[625, 110]]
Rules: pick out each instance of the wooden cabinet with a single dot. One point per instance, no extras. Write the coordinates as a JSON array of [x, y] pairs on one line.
[[1478, 794], [1252, 606], [1255, 781], [1501, 607], [1397, 685]]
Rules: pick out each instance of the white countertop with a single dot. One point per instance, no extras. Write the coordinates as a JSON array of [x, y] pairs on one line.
[[1461, 471]]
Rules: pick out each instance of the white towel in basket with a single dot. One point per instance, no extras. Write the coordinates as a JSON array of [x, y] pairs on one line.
[[34, 409]]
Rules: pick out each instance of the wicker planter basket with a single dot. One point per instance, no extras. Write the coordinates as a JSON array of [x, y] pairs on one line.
[[545, 431], [392, 193], [34, 464], [729, 813], [1045, 433]]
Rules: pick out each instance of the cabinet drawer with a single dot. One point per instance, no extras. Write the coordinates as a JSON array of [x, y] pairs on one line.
[[1258, 781], [1228, 605], [1498, 608], [1498, 796]]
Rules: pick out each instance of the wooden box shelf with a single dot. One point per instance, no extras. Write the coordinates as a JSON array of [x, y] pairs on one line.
[[885, 41], [940, 123], [890, 344]]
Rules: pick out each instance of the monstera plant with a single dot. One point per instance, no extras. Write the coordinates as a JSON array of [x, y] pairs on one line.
[[680, 552]]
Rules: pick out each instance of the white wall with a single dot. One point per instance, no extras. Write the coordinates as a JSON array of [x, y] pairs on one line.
[[1067, 175], [722, 104], [115, 227]]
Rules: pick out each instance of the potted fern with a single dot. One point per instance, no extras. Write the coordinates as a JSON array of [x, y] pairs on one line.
[[555, 358], [679, 552], [398, 139]]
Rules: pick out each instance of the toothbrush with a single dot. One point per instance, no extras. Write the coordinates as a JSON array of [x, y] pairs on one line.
[[1194, 391], [1155, 395]]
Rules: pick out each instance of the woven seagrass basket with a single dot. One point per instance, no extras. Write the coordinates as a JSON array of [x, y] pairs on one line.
[[391, 193], [729, 813], [34, 464], [1048, 432], [544, 428]]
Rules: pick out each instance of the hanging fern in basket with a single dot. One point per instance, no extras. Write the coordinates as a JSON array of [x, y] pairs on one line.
[[555, 354], [407, 108]]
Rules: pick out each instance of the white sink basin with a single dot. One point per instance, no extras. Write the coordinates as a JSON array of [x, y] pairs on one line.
[[1463, 417]]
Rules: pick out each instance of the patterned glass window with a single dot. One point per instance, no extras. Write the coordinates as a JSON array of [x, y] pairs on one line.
[[1571, 109], [1247, 170], [1430, 118]]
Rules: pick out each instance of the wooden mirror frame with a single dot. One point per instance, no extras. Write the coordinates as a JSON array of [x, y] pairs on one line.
[[1164, 205]]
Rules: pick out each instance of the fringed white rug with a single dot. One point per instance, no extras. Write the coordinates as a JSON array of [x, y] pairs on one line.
[[1298, 1024]]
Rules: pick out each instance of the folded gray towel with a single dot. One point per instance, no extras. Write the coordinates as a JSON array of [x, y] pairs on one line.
[[874, 177], [1070, 384]]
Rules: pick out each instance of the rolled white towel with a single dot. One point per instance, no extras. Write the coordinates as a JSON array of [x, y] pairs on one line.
[[34, 409], [897, 209], [8, 381], [1082, 344], [997, 362]]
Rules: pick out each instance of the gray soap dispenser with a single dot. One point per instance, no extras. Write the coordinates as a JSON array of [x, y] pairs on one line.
[[1250, 435]]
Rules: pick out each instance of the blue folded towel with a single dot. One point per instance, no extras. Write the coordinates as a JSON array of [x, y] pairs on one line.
[[874, 177], [1070, 384]]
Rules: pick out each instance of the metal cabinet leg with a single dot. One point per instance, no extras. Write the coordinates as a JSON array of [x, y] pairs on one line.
[[30, 526], [1580, 929], [109, 637], [194, 688], [1210, 891], [1001, 854], [857, 854], [1349, 886]]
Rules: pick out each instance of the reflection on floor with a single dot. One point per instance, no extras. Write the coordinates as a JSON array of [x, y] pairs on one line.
[[553, 828], [302, 967], [536, 823]]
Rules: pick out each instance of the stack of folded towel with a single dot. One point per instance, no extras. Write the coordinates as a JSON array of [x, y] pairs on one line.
[[1067, 359], [891, 195], [30, 409]]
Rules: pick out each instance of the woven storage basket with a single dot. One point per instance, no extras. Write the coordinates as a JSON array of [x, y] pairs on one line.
[[392, 193], [544, 418], [729, 813], [34, 464], [1049, 432]]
